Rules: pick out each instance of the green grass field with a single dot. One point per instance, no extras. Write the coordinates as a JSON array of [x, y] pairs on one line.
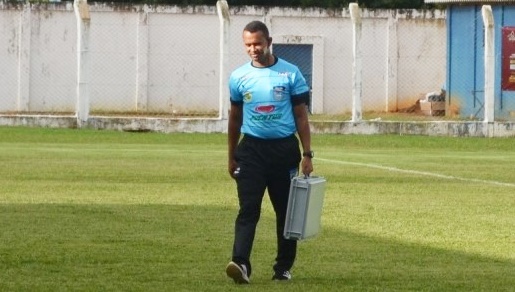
[[86, 210]]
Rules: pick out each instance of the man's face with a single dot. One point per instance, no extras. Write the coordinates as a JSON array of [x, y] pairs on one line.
[[257, 46]]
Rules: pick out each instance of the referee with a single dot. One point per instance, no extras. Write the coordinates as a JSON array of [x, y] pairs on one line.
[[268, 106]]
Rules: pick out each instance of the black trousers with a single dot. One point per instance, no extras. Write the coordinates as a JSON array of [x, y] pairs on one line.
[[264, 164]]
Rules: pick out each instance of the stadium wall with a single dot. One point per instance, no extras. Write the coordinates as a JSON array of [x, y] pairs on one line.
[[428, 128], [165, 59]]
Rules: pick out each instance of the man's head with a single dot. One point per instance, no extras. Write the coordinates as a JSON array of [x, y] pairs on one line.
[[257, 41]]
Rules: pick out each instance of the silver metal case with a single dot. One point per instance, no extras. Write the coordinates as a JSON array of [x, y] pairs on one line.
[[305, 204]]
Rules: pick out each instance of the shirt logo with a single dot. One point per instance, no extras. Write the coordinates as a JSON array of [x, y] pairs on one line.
[[265, 118], [279, 92], [265, 109], [247, 96]]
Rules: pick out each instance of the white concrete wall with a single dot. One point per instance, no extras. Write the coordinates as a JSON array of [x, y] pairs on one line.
[[9, 59], [166, 59]]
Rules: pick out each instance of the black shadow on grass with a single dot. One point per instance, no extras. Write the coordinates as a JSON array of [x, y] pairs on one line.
[[185, 248]]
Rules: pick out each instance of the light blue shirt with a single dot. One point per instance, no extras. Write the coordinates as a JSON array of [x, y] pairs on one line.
[[266, 94]]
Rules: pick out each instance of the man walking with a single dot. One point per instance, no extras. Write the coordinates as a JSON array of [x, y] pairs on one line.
[[268, 106]]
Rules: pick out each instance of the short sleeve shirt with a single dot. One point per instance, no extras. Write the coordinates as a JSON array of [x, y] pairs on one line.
[[266, 94]]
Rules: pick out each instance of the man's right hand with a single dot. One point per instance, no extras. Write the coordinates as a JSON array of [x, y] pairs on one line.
[[233, 169]]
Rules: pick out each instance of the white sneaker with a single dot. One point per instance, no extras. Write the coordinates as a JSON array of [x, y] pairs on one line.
[[283, 276], [238, 273]]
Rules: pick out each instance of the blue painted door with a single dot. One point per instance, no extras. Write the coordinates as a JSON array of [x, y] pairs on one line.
[[300, 55]]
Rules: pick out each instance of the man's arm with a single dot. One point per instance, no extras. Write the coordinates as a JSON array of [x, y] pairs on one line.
[[234, 132], [302, 122]]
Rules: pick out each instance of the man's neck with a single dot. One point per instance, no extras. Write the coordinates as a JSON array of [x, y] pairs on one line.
[[270, 60]]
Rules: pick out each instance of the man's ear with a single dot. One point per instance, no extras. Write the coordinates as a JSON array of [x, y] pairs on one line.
[[269, 41]]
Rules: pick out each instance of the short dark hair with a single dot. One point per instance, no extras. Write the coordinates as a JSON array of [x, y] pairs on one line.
[[255, 26]]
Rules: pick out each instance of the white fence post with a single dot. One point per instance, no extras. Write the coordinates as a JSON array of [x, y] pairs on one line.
[[142, 61], [392, 64], [357, 62], [81, 9], [223, 15], [23, 98], [489, 101]]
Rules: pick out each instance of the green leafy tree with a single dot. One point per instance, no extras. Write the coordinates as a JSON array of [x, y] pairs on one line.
[[391, 4]]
